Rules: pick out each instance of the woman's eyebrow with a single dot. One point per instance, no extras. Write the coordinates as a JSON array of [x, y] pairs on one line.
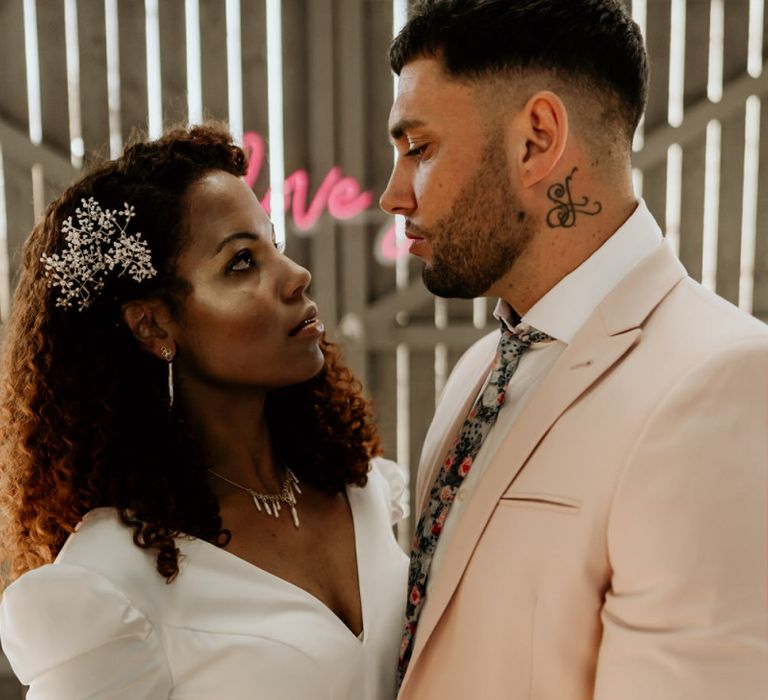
[[233, 237]]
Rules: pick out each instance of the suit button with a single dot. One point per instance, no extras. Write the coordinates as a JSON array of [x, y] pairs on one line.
[[462, 495]]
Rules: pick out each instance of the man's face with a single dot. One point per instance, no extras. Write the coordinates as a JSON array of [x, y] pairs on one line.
[[451, 182]]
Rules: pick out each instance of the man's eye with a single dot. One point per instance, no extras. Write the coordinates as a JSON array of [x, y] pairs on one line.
[[242, 261], [416, 152]]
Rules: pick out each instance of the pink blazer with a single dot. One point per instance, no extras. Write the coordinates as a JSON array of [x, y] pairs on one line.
[[616, 548]]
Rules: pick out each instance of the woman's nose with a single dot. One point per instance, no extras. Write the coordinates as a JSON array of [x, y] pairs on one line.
[[297, 281]]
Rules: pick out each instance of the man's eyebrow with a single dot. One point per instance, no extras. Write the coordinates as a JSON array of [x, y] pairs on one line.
[[235, 236], [398, 130]]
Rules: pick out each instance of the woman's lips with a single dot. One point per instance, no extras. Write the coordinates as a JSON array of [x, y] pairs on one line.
[[309, 325], [310, 328]]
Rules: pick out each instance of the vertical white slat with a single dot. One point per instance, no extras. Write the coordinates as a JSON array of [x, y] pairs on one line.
[[480, 312], [32, 56], [441, 349], [194, 62], [403, 428], [674, 195], [710, 233], [38, 190], [5, 276], [154, 74], [31, 50], [441, 364], [639, 14], [441, 369], [716, 47], [275, 116], [234, 70], [402, 262], [676, 63], [441, 313], [637, 182], [112, 36], [755, 42], [749, 203], [72, 42]]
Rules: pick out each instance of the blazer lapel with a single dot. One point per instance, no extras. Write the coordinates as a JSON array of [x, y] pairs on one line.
[[610, 334]]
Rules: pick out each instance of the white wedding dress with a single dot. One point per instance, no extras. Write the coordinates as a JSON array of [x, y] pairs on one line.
[[100, 622]]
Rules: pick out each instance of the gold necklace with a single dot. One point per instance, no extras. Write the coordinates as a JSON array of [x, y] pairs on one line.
[[272, 501]]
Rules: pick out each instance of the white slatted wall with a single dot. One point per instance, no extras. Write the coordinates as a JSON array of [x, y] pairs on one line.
[[310, 76]]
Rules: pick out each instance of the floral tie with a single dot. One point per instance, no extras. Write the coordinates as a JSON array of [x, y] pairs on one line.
[[455, 468]]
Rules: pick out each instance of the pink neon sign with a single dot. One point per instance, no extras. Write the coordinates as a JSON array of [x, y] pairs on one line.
[[388, 248], [341, 195]]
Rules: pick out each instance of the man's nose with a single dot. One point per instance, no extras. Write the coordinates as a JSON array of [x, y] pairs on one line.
[[397, 197]]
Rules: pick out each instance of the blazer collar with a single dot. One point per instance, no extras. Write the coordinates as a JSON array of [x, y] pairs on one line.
[[610, 334]]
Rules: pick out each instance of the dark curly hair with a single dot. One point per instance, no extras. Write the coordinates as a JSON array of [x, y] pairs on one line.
[[592, 43], [84, 419]]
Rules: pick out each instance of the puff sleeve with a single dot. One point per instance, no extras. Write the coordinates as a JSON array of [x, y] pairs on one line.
[[397, 480], [71, 635]]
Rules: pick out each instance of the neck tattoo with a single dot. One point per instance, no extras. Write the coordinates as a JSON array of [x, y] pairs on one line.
[[563, 214]]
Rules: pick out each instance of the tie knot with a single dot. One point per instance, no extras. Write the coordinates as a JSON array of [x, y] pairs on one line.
[[514, 343], [529, 335]]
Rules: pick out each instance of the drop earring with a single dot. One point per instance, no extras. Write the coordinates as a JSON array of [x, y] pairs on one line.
[[168, 357]]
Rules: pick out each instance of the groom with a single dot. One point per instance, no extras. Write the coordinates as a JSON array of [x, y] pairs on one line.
[[593, 489]]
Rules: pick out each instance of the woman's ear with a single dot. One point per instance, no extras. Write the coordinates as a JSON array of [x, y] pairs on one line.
[[149, 322], [544, 124]]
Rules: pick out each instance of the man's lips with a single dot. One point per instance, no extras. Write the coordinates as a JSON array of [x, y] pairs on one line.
[[419, 245]]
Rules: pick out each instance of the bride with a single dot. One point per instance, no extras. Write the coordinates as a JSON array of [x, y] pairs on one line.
[[193, 506]]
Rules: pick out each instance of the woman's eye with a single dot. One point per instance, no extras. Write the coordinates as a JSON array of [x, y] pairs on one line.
[[242, 261]]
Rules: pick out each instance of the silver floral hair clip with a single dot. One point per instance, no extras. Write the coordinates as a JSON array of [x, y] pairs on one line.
[[97, 245]]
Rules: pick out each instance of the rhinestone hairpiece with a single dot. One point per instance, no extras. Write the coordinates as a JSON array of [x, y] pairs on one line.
[[96, 245]]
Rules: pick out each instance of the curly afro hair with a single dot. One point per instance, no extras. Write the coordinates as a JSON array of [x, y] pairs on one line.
[[83, 416]]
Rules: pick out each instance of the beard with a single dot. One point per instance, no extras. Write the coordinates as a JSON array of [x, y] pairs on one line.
[[482, 236]]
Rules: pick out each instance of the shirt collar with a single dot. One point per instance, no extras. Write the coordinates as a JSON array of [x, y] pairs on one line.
[[565, 308]]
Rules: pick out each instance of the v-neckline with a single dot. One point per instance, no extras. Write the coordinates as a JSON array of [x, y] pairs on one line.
[[303, 592]]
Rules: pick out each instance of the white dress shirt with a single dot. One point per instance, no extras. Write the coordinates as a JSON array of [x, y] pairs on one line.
[[560, 313]]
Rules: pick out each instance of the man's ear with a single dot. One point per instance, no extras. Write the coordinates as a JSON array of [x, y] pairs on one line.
[[543, 126], [149, 322]]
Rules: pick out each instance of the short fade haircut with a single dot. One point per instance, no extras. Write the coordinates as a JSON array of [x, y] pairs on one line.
[[590, 43]]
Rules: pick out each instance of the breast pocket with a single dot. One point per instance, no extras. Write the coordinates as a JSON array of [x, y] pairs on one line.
[[541, 501]]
